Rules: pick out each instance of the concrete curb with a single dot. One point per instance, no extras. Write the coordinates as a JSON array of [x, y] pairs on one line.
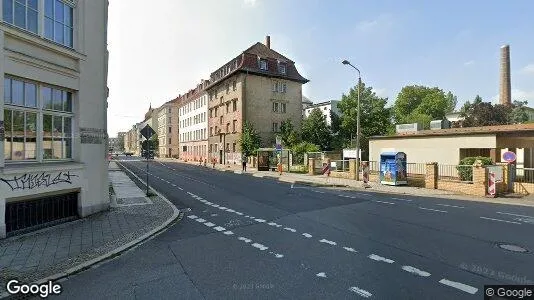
[[86, 265]]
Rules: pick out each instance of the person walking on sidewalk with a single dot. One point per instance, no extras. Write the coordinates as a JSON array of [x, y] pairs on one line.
[[244, 163]]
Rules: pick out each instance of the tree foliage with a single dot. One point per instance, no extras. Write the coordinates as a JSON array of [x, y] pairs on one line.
[[250, 140], [288, 134], [519, 113], [417, 103], [375, 117], [316, 131], [301, 148], [480, 113]]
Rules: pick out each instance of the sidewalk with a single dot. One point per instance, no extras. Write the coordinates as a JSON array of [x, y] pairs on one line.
[[58, 251], [321, 180]]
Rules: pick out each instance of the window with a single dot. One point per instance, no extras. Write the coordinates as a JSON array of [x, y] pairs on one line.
[[227, 88], [284, 88], [282, 107], [275, 87], [227, 147], [170, 129], [275, 127], [234, 85], [216, 108], [227, 127], [282, 68], [233, 147], [216, 130], [211, 113], [221, 120], [234, 126], [275, 106], [234, 105], [227, 107], [23, 114], [21, 13], [263, 64], [58, 22], [169, 111], [211, 131]]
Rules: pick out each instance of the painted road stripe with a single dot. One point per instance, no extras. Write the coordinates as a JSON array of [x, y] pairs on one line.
[[498, 220], [463, 287], [219, 228], [378, 201], [244, 239], [380, 258], [228, 232], [424, 208], [278, 255], [200, 220], [322, 274], [415, 271], [180, 189], [307, 235], [239, 213], [209, 224], [350, 249], [448, 205], [328, 242], [260, 220], [503, 213], [320, 192], [360, 292], [260, 246], [174, 185], [192, 217], [290, 229], [230, 210], [401, 199]]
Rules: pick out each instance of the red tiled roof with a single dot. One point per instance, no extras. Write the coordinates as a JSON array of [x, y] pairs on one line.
[[464, 131]]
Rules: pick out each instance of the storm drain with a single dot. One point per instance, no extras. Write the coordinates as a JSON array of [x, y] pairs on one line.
[[513, 248]]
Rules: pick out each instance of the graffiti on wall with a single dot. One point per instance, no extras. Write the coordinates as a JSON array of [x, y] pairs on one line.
[[93, 135], [39, 180]]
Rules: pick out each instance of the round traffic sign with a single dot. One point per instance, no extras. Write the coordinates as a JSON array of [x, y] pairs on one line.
[[509, 156]]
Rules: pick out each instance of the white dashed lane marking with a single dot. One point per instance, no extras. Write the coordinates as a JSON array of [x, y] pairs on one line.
[[463, 287], [448, 205], [192, 217], [328, 242], [499, 220], [516, 215], [360, 292], [350, 249], [307, 235], [431, 209], [384, 202], [322, 274], [380, 258], [209, 224], [402, 199], [415, 271]]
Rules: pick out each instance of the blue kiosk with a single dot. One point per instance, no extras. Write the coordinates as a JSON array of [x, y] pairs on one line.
[[393, 168]]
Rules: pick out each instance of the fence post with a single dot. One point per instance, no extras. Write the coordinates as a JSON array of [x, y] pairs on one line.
[[431, 175], [311, 166], [480, 180], [352, 169]]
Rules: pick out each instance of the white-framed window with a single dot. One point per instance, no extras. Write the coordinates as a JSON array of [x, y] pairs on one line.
[[275, 87], [275, 106], [22, 13], [282, 68], [275, 127], [58, 25], [31, 107], [283, 108], [234, 85], [263, 64], [284, 88]]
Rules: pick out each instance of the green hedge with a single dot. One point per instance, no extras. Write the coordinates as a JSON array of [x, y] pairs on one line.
[[466, 172]]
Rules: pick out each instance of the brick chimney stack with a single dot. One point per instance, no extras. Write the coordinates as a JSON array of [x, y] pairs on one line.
[[268, 42], [505, 88]]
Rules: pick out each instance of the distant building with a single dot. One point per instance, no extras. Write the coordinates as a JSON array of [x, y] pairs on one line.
[[193, 116], [325, 107], [121, 136], [260, 86], [306, 102], [167, 130]]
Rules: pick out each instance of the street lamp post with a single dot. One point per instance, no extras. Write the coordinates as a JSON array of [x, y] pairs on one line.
[[346, 62]]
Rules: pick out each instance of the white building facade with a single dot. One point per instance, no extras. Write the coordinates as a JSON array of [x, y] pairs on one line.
[[168, 130], [193, 118], [53, 123], [325, 107]]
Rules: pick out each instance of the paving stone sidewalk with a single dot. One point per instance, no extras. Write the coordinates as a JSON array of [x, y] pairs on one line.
[[48, 252]]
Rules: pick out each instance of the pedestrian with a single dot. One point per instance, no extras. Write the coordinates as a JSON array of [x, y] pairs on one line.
[[244, 163]]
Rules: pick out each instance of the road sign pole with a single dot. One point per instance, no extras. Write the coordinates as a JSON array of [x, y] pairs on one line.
[[147, 153]]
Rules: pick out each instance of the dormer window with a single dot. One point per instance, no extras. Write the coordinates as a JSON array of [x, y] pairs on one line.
[[282, 68], [263, 64]]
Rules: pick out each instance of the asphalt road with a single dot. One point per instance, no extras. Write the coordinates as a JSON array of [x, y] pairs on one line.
[[257, 238]]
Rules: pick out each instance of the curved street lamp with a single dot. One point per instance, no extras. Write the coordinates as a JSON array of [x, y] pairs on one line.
[[346, 62]]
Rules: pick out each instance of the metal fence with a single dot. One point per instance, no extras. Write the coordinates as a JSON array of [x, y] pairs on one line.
[[416, 169], [22, 216], [455, 172], [339, 165], [524, 175]]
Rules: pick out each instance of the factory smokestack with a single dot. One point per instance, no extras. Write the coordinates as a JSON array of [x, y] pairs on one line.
[[505, 96]]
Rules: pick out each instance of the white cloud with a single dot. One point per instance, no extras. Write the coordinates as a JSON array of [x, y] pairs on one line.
[[380, 92], [468, 63], [518, 94], [250, 2], [528, 69], [380, 22]]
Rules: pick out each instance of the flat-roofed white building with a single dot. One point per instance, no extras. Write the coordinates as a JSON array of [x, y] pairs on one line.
[[53, 124], [193, 120], [325, 107]]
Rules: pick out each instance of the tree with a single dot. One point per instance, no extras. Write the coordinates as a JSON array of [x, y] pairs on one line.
[[288, 134], [375, 117], [417, 103], [519, 112], [250, 140], [316, 131], [301, 148], [153, 142], [337, 131], [481, 113]]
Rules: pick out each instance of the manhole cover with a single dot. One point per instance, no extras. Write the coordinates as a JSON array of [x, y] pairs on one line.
[[513, 248]]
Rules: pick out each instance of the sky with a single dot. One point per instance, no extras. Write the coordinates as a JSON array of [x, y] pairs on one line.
[[162, 48]]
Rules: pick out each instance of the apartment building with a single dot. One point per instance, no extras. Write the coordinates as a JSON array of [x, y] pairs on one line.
[[53, 123], [326, 108], [120, 136], [131, 140], [193, 118], [260, 86], [168, 129]]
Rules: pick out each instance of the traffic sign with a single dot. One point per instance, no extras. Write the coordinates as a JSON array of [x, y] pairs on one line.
[[509, 156], [147, 132]]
